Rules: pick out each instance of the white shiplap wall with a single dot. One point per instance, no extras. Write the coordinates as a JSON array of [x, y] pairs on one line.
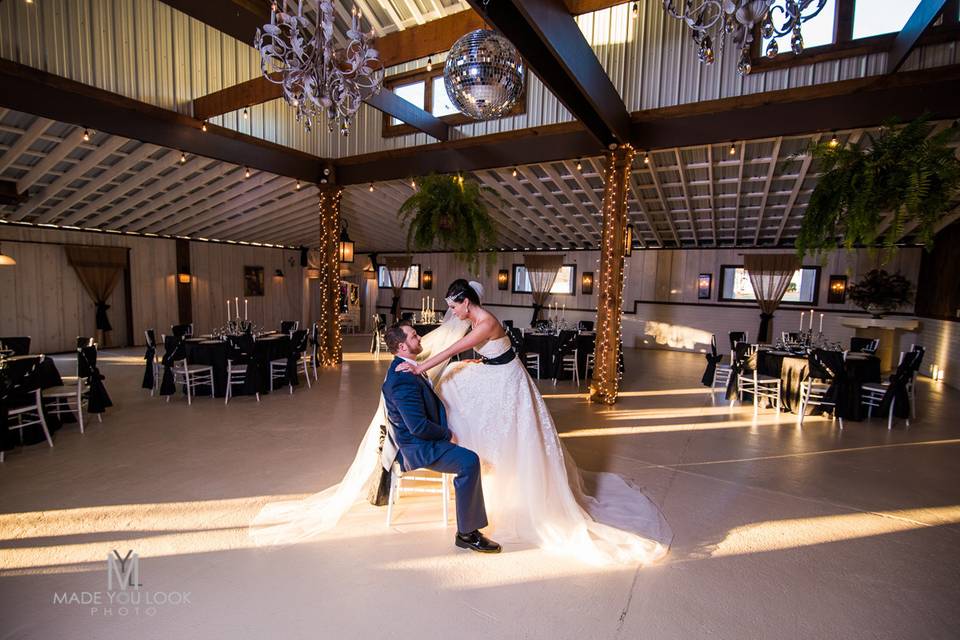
[[42, 297], [145, 50]]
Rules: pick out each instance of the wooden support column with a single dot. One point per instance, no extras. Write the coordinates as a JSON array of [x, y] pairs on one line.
[[184, 289], [607, 373], [329, 351]]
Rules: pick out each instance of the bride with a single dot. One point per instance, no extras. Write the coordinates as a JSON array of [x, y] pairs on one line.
[[533, 490]]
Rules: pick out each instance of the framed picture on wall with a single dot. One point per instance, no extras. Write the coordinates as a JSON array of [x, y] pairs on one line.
[[252, 281], [704, 285]]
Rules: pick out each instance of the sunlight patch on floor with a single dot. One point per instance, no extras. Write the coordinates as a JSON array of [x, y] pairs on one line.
[[780, 535]]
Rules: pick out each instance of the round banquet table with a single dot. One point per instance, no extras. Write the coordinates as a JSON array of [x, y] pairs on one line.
[[424, 329], [49, 377], [793, 369], [546, 345], [214, 354]]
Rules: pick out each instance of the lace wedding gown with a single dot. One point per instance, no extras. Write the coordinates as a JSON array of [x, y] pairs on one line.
[[533, 490]]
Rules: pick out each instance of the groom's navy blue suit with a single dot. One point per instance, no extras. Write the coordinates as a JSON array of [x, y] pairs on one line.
[[419, 423]]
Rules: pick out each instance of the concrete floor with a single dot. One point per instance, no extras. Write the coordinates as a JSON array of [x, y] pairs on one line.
[[779, 532]]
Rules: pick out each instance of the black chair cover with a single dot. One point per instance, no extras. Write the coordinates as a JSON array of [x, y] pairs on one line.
[[149, 356], [241, 350], [585, 325], [286, 326], [173, 349], [19, 379], [298, 344], [829, 366], [406, 315], [508, 324], [743, 362], [735, 337], [897, 391], [97, 399], [181, 330], [516, 339], [712, 361], [860, 345], [566, 344]]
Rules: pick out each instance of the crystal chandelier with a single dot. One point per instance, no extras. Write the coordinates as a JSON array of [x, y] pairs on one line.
[[299, 54], [716, 19]]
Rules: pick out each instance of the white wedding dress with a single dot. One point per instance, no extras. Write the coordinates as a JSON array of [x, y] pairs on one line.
[[534, 492]]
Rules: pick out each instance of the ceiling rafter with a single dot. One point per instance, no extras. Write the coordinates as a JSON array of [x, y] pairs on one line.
[[774, 158], [686, 197], [652, 168]]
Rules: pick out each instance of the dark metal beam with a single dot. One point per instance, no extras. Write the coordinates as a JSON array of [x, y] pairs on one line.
[[237, 18], [552, 44], [923, 16], [30, 90], [393, 105], [841, 105], [557, 142]]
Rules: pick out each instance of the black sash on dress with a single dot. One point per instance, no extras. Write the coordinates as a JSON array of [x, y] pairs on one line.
[[503, 358]]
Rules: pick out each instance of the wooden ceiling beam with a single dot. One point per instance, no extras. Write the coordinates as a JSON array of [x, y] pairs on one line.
[[237, 18], [919, 21], [30, 90], [551, 43], [849, 104]]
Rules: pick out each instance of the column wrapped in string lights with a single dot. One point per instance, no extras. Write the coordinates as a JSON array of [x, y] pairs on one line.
[[329, 347], [608, 372]]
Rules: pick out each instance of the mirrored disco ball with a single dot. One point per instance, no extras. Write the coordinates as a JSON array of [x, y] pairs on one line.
[[483, 74]]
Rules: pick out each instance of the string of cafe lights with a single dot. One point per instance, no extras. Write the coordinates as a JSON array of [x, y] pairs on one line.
[[330, 346], [606, 387]]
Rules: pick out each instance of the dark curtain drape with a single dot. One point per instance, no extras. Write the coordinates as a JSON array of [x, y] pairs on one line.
[[397, 267], [770, 275], [542, 269], [99, 270]]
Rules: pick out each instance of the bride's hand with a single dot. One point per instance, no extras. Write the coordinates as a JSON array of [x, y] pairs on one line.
[[406, 366]]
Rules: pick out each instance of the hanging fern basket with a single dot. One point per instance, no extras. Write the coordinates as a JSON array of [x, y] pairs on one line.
[[448, 212], [872, 193]]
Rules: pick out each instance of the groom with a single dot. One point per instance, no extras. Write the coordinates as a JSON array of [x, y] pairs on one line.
[[419, 425]]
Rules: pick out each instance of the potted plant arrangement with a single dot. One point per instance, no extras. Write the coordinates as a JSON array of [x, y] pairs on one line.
[[449, 212], [880, 292], [870, 193]]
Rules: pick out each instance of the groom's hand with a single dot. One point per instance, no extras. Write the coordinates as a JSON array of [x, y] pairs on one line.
[[453, 438]]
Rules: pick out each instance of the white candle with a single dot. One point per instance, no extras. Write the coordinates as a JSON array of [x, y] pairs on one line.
[[236, 303], [802, 313], [245, 316], [821, 323], [811, 320], [228, 309]]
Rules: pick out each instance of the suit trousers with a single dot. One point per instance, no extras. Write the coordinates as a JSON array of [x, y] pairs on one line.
[[465, 464]]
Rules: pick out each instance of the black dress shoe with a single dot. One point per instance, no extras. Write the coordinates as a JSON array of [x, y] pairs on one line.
[[476, 541]]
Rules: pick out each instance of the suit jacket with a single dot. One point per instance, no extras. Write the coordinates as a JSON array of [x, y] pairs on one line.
[[418, 420]]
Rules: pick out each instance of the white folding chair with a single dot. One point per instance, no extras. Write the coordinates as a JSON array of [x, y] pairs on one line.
[[568, 362], [759, 385], [814, 392], [397, 477], [60, 397], [278, 367], [236, 374], [28, 415], [192, 376], [588, 367]]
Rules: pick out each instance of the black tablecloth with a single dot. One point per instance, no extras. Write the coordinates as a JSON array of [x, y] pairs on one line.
[[19, 345], [793, 369], [546, 345], [214, 354], [10, 438]]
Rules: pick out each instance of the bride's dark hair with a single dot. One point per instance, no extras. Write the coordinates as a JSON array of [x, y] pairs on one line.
[[460, 290]]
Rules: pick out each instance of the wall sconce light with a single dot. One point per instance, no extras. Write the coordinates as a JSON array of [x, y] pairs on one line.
[[837, 293], [628, 242], [503, 279], [346, 245], [428, 280], [313, 274], [278, 274], [586, 283], [183, 278], [6, 261]]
